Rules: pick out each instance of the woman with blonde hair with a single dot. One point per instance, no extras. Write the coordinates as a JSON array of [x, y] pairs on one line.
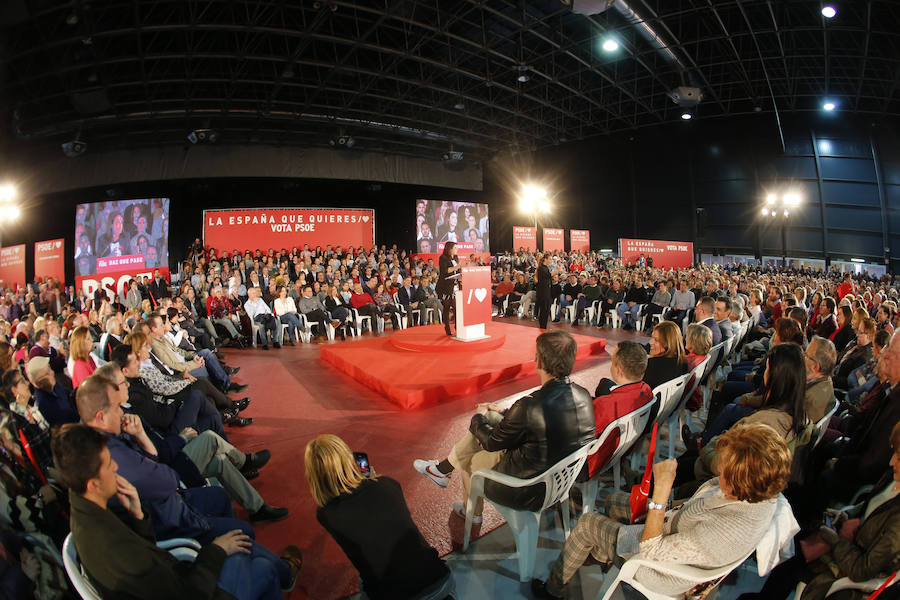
[[370, 521], [146, 308], [667, 359], [81, 361]]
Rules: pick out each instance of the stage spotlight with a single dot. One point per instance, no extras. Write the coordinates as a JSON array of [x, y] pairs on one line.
[[828, 12], [11, 213], [829, 106], [765, 212], [452, 156], [610, 45], [74, 148], [543, 206], [792, 199], [7, 193], [786, 213], [771, 198], [534, 192], [203, 136], [342, 141]]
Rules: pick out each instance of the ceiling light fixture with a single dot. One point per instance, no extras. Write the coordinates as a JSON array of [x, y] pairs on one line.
[[829, 106], [610, 45], [828, 12]]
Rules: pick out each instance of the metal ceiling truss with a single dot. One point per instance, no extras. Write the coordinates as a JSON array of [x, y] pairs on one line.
[[413, 76]]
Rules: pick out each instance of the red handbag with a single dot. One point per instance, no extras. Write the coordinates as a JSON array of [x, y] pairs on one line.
[[641, 493]]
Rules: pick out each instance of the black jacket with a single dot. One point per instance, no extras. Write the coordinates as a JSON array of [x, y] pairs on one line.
[[445, 286], [537, 431], [157, 414], [661, 369], [544, 279], [843, 337], [159, 289], [637, 294]]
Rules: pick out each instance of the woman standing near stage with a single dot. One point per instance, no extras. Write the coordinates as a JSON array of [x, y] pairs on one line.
[[447, 265]]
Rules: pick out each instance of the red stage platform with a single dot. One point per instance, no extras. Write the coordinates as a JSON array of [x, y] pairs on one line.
[[412, 371]]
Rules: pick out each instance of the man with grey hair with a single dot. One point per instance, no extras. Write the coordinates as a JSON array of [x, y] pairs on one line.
[[112, 337], [820, 359]]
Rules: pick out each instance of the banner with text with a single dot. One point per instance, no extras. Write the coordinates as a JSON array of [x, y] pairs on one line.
[[12, 266], [665, 254], [276, 228], [476, 295], [524, 237], [579, 240], [554, 239], [50, 259]]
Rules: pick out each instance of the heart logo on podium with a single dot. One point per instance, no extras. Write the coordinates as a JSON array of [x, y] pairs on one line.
[[480, 294], [365, 218]]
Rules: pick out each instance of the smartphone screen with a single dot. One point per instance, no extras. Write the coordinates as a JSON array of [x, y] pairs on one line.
[[362, 461]]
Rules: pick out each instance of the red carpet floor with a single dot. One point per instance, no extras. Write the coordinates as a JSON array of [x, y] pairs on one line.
[[296, 396], [411, 374]]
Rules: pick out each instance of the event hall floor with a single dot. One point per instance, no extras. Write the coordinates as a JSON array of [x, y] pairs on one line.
[[297, 396]]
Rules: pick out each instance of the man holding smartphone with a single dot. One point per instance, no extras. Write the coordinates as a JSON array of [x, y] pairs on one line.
[[536, 432]]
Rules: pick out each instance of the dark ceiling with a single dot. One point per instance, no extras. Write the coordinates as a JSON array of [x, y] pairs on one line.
[[415, 76]]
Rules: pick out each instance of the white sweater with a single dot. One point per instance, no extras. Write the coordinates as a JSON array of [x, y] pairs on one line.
[[707, 531]]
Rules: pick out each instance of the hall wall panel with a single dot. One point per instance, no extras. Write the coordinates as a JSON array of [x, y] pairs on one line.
[[851, 169], [852, 194]]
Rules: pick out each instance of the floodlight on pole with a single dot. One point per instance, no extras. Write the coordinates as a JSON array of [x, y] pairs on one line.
[[771, 199], [7, 192], [792, 199]]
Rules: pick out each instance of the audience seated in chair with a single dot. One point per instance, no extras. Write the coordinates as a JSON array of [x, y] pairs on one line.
[[615, 398], [120, 554], [861, 542], [722, 522], [666, 360], [535, 433]]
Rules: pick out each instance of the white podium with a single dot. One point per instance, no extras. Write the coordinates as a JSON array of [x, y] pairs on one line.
[[467, 333]]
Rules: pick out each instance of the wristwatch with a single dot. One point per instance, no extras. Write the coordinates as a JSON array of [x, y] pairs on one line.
[[651, 505]]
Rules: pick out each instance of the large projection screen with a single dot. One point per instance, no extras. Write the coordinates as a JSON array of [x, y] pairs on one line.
[[442, 221], [119, 239]]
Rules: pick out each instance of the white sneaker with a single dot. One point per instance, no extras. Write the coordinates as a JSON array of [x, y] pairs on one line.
[[459, 509], [429, 469]]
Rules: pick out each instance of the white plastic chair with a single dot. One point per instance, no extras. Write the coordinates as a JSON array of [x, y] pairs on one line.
[[822, 424], [692, 381], [869, 585], [631, 426], [358, 321], [525, 524], [685, 572], [614, 321], [671, 398], [184, 549], [775, 545]]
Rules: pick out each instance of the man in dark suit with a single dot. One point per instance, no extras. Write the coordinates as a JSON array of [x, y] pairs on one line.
[[703, 314], [159, 288], [407, 296]]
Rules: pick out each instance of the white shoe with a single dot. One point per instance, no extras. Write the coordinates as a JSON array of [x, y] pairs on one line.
[[429, 469], [459, 509]]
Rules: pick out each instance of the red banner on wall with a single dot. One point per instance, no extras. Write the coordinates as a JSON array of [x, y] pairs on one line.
[[50, 259], [276, 228], [12, 266], [476, 290], [524, 237], [579, 240], [554, 239], [666, 254]]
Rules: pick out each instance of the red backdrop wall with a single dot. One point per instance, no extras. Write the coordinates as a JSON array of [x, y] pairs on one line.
[[50, 259], [524, 237], [579, 240], [12, 266], [554, 239], [276, 228], [667, 254]]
